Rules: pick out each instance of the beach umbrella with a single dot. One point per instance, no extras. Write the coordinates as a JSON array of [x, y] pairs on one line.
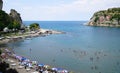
[[59, 69], [34, 62], [23, 58], [19, 57], [41, 65], [65, 71], [47, 66], [7, 50], [54, 69], [27, 60]]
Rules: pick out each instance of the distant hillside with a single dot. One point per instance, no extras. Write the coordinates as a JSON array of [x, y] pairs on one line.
[[110, 17]]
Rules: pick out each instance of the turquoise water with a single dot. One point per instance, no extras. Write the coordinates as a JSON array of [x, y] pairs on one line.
[[83, 49]]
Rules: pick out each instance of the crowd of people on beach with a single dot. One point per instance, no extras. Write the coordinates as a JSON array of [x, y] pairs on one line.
[[30, 65]]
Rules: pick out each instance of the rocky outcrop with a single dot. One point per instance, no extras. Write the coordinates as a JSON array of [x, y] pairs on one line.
[[110, 17], [15, 16], [1, 4]]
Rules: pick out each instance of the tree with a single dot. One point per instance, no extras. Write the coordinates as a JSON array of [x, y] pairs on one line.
[[14, 25], [34, 26], [3, 67], [117, 17], [0, 51], [96, 19], [11, 71], [4, 20]]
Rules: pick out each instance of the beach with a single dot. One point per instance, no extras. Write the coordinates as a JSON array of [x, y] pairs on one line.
[[25, 65]]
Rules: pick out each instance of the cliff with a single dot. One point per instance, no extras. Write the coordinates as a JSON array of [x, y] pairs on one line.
[[110, 18], [1, 4], [11, 21], [15, 16]]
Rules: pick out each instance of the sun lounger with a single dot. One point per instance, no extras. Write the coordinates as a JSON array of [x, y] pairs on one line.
[[28, 69], [11, 61], [20, 67], [35, 72], [14, 64]]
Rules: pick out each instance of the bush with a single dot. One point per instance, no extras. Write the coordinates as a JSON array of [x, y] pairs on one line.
[[4, 20], [0, 51], [3, 67], [11, 71], [34, 26]]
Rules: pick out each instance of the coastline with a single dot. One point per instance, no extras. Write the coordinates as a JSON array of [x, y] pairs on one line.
[[39, 32], [25, 65], [102, 25], [15, 64]]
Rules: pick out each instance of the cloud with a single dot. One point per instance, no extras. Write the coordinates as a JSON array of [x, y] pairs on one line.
[[73, 10]]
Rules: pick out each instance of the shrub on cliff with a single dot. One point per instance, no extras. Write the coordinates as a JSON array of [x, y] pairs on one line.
[[14, 25], [117, 17]]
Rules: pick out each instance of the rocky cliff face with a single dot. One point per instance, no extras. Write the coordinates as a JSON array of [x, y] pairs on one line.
[[1, 4], [15, 16], [110, 17]]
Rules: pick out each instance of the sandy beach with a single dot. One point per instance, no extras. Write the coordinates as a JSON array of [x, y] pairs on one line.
[[24, 65]]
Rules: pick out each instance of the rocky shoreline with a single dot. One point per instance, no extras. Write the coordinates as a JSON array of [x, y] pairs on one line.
[[40, 32], [103, 25]]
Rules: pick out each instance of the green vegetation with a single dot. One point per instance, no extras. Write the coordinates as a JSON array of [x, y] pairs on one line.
[[4, 20], [4, 68], [113, 13], [34, 26], [14, 25], [116, 16], [96, 19], [0, 51]]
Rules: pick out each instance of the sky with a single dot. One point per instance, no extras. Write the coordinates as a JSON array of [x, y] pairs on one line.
[[58, 10]]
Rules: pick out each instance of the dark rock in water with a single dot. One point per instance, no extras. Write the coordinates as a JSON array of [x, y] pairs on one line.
[[1, 4], [15, 16]]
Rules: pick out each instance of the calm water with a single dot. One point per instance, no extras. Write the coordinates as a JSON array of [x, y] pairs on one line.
[[83, 49]]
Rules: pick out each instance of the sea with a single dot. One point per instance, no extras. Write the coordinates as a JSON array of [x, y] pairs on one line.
[[82, 49]]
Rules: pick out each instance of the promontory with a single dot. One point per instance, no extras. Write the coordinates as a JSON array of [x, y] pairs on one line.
[[109, 18]]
